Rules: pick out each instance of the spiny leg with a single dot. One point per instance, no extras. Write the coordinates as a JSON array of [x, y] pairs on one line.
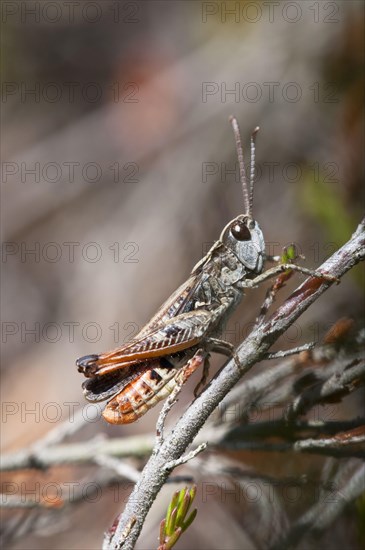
[[271, 295], [284, 267], [289, 255], [204, 377], [225, 348], [218, 346], [192, 365]]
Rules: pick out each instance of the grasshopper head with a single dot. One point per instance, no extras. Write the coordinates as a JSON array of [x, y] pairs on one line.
[[243, 235]]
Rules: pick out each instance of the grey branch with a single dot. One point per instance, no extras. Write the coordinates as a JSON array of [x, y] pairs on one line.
[[183, 459], [325, 511], [331, 446], [286, 353], [250, 352], [13, 501], [78, 453], [337, 384], [123, 469]]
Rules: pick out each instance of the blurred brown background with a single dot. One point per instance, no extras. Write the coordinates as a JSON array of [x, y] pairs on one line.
[[118, 172]]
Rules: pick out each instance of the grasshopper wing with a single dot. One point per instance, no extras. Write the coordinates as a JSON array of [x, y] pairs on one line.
[[181, 301], [169, 337], [99, 388]]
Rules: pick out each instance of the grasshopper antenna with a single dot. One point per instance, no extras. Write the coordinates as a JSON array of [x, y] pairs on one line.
[[252, 168], [246, 192]]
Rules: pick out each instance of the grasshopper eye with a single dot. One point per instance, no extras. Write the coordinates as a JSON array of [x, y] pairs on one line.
[[240, 231]]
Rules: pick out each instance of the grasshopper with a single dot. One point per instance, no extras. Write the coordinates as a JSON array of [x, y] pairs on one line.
[[188, 326]]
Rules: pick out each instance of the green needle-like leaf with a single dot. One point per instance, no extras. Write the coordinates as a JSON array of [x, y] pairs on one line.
[[184, 506], [192, 492], [190, 519], [181, 496], [172, 523], [173, 539], [162, 531], [170, 509]]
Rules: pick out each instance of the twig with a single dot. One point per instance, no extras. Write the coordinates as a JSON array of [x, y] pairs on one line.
[[280, 428], [71, 493], [286, 353], [61, 431], [14, 501], [121, 468], [344, 439], [252, 350], [274, 387], [81, 453], [332, 446], [339, 383], [325, 511], [182, 460]]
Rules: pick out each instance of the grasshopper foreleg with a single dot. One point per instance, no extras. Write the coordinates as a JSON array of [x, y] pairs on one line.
[[274, 271]]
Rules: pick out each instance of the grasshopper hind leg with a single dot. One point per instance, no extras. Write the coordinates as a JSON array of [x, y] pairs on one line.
[[202, 382], [217, 346], [224, 348]]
